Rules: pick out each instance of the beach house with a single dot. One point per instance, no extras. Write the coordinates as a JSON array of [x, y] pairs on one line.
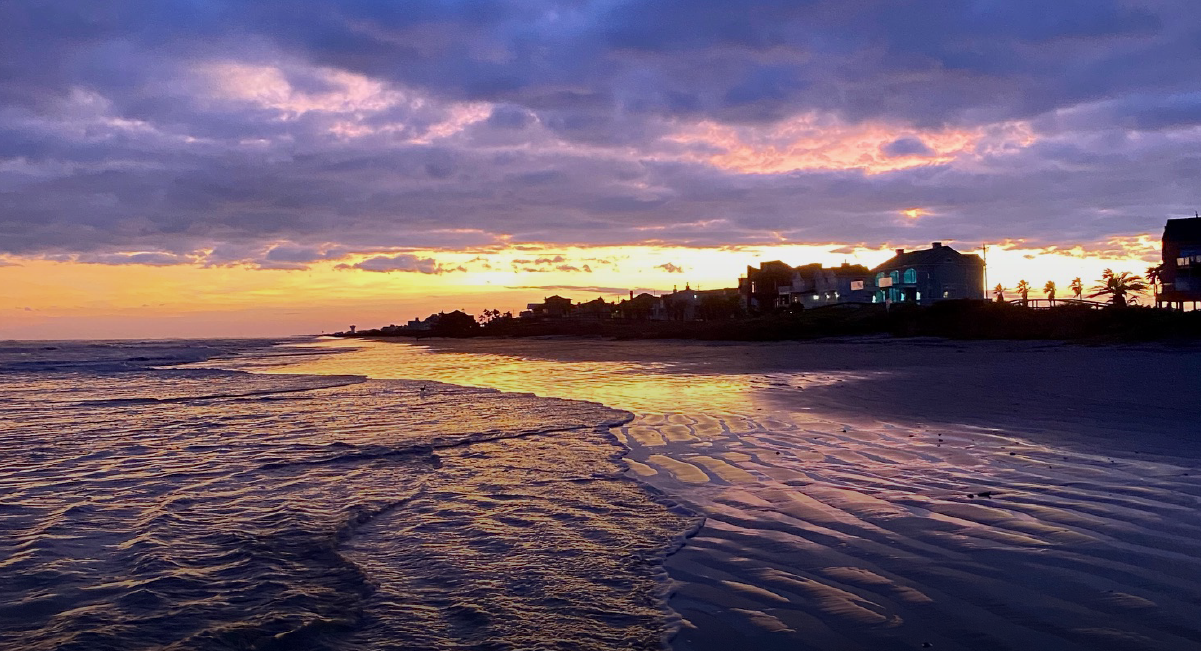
[[691, 304], [776, 285], [815, 286], [760, 288], [1181, 271], [551, 307], [929, 275]]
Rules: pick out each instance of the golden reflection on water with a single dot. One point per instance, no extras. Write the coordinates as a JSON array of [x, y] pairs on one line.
[[637, 386]]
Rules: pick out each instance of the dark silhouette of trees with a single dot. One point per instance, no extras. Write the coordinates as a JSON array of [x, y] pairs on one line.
[[1117, 285], [488, 316], [1023, 288], [719, 306], [1077, 287], [999, 293], [1155, 278], [1049, 290]]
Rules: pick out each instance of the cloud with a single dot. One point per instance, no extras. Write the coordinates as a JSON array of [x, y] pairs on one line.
[[402, 262], [908, 146], [277, 135], [586, 289], [151, 259], [670, 268], [302, 254]]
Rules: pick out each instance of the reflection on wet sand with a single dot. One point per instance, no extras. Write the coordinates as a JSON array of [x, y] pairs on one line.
[[832, 529]]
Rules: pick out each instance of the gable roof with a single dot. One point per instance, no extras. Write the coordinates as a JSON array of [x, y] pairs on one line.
[[1188, 229], [936, 255]]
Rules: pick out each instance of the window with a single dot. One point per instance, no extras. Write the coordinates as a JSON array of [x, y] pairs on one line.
[[896, 276], [910, 276], [919, 297]]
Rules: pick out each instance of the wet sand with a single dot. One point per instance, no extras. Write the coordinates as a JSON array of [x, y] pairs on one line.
[[886, 494]]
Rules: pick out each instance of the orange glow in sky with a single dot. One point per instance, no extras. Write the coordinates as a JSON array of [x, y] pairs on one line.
[[42, 299]]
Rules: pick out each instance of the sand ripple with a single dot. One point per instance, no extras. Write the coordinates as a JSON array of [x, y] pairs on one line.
[[866, 534]]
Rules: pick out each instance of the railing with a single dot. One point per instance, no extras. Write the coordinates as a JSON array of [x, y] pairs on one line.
[[1047, 303]]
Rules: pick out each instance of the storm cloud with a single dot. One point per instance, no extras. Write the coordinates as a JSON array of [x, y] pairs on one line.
[[282, 133]]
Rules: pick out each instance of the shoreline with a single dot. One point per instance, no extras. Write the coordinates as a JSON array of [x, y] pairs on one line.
[[834, 499], [607, 430]]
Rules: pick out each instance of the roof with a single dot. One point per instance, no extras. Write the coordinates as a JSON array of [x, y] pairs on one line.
[[850, 270], [1183, 229], [932, 256]]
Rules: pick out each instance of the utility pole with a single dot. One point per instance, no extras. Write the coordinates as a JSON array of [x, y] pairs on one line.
[[984, 249]]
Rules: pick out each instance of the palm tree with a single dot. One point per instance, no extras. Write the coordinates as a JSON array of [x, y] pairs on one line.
[[1154, 277], [999, 293], [1117, 285], [1049, 290], [1077, 287], [1023, 288]]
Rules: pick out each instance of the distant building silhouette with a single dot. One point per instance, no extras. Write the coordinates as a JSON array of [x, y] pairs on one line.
[[594, 310], [1181, 272], [776, 285], [429, 323], [815, 286], [929, 275], [643, 307], [697, 305], [551, 307], [760, 288]]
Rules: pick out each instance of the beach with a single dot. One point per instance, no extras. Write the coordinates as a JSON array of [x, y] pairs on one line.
[[568, 493], [885, 494]]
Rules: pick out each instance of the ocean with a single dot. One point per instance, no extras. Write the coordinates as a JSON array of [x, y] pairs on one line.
[[871, 493], [148, 503]]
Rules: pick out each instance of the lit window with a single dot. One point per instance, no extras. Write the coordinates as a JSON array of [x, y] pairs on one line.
[[919, 296]]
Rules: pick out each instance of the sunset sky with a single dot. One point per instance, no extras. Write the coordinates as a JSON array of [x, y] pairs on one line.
[[206, 168]]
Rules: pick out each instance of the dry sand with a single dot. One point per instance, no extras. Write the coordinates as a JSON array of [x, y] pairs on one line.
[[884, 494]]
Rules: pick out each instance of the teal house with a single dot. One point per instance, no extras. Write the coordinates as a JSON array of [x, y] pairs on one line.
[[929, 275]]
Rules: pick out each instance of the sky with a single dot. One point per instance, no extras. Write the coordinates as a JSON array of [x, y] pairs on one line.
[[181, 168]]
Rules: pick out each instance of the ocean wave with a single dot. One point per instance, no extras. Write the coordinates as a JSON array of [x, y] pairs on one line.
[[204, 509]]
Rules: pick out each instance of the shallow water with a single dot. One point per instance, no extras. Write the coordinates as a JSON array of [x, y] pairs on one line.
[[200, 508], [1005, 505]]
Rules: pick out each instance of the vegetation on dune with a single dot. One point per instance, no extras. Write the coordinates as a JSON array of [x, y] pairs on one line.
[[962, 319], [1117, 286]]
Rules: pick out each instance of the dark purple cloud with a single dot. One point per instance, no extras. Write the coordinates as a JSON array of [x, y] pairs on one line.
[[401, 262], [907, 147], [283, 133]]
